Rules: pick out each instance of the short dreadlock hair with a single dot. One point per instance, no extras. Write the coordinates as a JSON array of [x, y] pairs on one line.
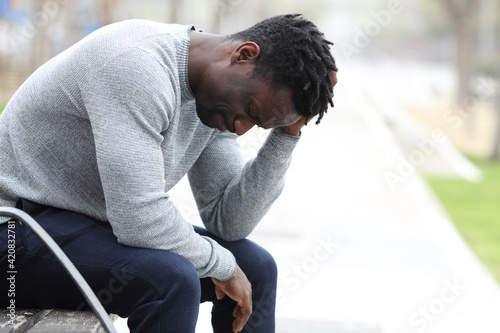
[[294, 53]]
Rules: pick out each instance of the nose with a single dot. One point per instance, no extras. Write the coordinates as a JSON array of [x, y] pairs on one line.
[[241, 126]]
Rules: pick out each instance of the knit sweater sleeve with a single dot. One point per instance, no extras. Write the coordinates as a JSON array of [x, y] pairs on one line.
[[130, 101], [232, 197]]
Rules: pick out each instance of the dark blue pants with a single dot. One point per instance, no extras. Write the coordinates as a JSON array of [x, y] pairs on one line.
[[157, 290]]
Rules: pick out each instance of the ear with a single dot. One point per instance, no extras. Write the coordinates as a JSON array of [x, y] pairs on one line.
[[246, 52]]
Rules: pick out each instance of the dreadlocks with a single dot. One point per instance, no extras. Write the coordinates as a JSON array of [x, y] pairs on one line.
[[294, 53]]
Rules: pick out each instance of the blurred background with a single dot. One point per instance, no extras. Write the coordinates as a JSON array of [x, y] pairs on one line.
[[403, 174]]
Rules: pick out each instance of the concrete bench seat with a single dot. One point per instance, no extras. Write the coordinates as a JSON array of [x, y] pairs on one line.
[[50, 321]]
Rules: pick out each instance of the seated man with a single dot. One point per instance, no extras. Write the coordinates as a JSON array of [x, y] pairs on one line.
[[93, 141]]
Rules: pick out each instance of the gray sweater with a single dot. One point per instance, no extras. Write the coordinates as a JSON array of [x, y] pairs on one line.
[[109, 126]]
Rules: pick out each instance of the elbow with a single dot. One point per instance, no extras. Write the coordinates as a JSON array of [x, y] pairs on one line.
[[228, 237], [126, 241], [230, 232], [129, 239], [231, 226]]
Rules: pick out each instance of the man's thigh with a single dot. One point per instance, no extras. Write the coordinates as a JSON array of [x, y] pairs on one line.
[[122, 277]]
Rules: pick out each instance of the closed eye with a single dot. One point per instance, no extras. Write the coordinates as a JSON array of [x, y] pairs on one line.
[[248, 111]]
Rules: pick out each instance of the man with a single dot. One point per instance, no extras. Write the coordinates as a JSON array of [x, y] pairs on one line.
[[94, 139]]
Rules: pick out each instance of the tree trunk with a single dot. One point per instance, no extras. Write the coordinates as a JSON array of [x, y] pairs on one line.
[[495, 154], [219, 10], [103, 12], [464, 62], [173, 11], [464, 17]]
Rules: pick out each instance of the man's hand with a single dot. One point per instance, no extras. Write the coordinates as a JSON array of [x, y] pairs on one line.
[[294, 129], [237, 288]]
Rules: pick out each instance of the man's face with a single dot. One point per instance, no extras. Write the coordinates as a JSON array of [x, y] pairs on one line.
[[238, 102]]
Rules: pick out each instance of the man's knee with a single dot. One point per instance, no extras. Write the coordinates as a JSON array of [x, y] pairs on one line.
[[264, 293], [167, 294], [152, 276], [268, 266], [257, 263], [174, 273]]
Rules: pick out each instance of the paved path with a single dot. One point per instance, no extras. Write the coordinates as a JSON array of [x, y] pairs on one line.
[[396, 262], [358, 255]]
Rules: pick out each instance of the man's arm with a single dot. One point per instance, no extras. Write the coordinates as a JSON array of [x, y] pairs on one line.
[[232, 197]]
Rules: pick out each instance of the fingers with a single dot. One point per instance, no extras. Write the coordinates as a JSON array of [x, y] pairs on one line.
[[236, 311], [237, 323], [239, 289], [241, 315], [334, 80], [294, 129]]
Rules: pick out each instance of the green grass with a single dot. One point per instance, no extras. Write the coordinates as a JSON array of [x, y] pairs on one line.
[[475, 210], [2, 106]]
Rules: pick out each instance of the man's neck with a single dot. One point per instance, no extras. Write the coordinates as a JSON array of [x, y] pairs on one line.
[[205, 50]]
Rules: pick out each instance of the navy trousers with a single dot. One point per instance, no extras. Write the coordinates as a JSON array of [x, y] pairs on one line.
[[157, 290]]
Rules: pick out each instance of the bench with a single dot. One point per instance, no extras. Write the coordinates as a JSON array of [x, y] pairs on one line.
[[50, 321]]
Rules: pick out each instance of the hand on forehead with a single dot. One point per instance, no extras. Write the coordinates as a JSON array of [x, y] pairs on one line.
[[334, 79]]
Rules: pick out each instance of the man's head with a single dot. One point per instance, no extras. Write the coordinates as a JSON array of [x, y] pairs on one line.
[[294, 54], [271, 74]]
